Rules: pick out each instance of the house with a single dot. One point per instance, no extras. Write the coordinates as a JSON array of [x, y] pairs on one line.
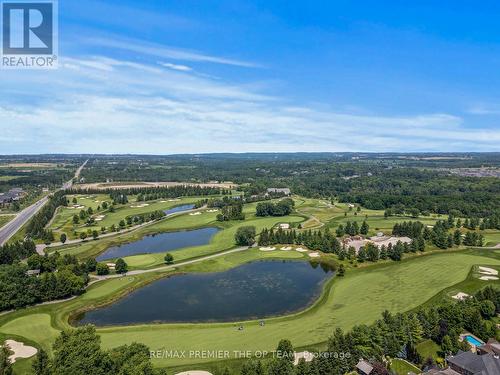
[[435, 371], [284, 226], [364, 367], [32, 272], [492, 346], [12, 195], [283, 191], [358, 242], [468, 363]]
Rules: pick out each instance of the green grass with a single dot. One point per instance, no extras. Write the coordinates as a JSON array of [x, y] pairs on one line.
[[402, 367], [428, 348], [63, 220], [222, 240], [4, 219], [357, 298]]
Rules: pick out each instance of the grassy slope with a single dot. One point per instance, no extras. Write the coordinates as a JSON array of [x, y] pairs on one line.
[[360, 297], [357, 298], [63, 220], [4, 219], [223, 240]]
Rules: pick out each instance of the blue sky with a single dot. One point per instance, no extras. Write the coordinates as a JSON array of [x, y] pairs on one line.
[[187, 76]]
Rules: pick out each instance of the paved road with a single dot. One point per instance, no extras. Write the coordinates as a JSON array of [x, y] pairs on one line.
[[9, 229]]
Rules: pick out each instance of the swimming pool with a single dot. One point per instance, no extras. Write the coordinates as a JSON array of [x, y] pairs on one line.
[[473, 341]]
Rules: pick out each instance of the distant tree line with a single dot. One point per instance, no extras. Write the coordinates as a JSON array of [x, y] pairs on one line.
[[158, 192]]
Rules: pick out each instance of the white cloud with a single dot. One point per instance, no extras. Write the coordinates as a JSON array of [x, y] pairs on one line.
[[182, 68], [105, 105], [159, 50]]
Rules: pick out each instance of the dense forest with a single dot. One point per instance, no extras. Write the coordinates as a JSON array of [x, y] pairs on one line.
[[411, 183], [59, 277]]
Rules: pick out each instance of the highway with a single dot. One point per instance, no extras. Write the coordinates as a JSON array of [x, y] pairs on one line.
[[9, 229]]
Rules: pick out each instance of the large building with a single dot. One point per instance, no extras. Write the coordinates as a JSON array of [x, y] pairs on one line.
[[12, 195]]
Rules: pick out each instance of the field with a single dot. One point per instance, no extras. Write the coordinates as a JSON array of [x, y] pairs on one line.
[[223, 240], [323, 213], [357, 298], [402, 367], [4, 219], [62, 221]]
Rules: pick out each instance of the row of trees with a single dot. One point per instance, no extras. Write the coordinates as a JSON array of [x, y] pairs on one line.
[[352, 229], [36, 226], [283, 207], [393, 336], [158, 192]]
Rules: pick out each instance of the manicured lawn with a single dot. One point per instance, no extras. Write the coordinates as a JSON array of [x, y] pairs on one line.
[[63, 220], [223, 240], [402, 367], [428, 348], [4, 219], [35, 327], [358, 298], [491, 237]]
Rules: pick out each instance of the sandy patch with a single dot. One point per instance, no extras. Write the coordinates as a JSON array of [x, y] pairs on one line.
[[301, 250], [173, 200], [140, 205], [111, 265], [314, 255], [286, 248], [268, 248], [488, 271], [212, 210], [20, 350], [194, 372], [488, 278], [195, 213], [308, 357], [460, 296]]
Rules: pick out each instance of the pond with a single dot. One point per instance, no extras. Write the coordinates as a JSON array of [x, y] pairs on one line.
[[162, 242], [252, 291], [184, 207]]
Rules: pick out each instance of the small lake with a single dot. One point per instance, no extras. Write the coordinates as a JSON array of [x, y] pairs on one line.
[[184, 207], [158, 243], [251, 291]]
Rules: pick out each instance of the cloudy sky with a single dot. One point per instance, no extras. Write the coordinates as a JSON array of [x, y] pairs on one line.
[[165, 77]]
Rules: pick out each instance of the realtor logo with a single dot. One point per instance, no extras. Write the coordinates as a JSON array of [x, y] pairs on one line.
[[29, 34]]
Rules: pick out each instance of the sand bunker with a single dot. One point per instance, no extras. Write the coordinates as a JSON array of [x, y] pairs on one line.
[[140, 205], [195, 213], [488, 271], [194, 372], [20, 350], [99, 217], [173, 200], [488, 278], [460, 296], [268, 248], [301, 250], [314, 255], [308, 357], [212, 210], [286, 248]]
